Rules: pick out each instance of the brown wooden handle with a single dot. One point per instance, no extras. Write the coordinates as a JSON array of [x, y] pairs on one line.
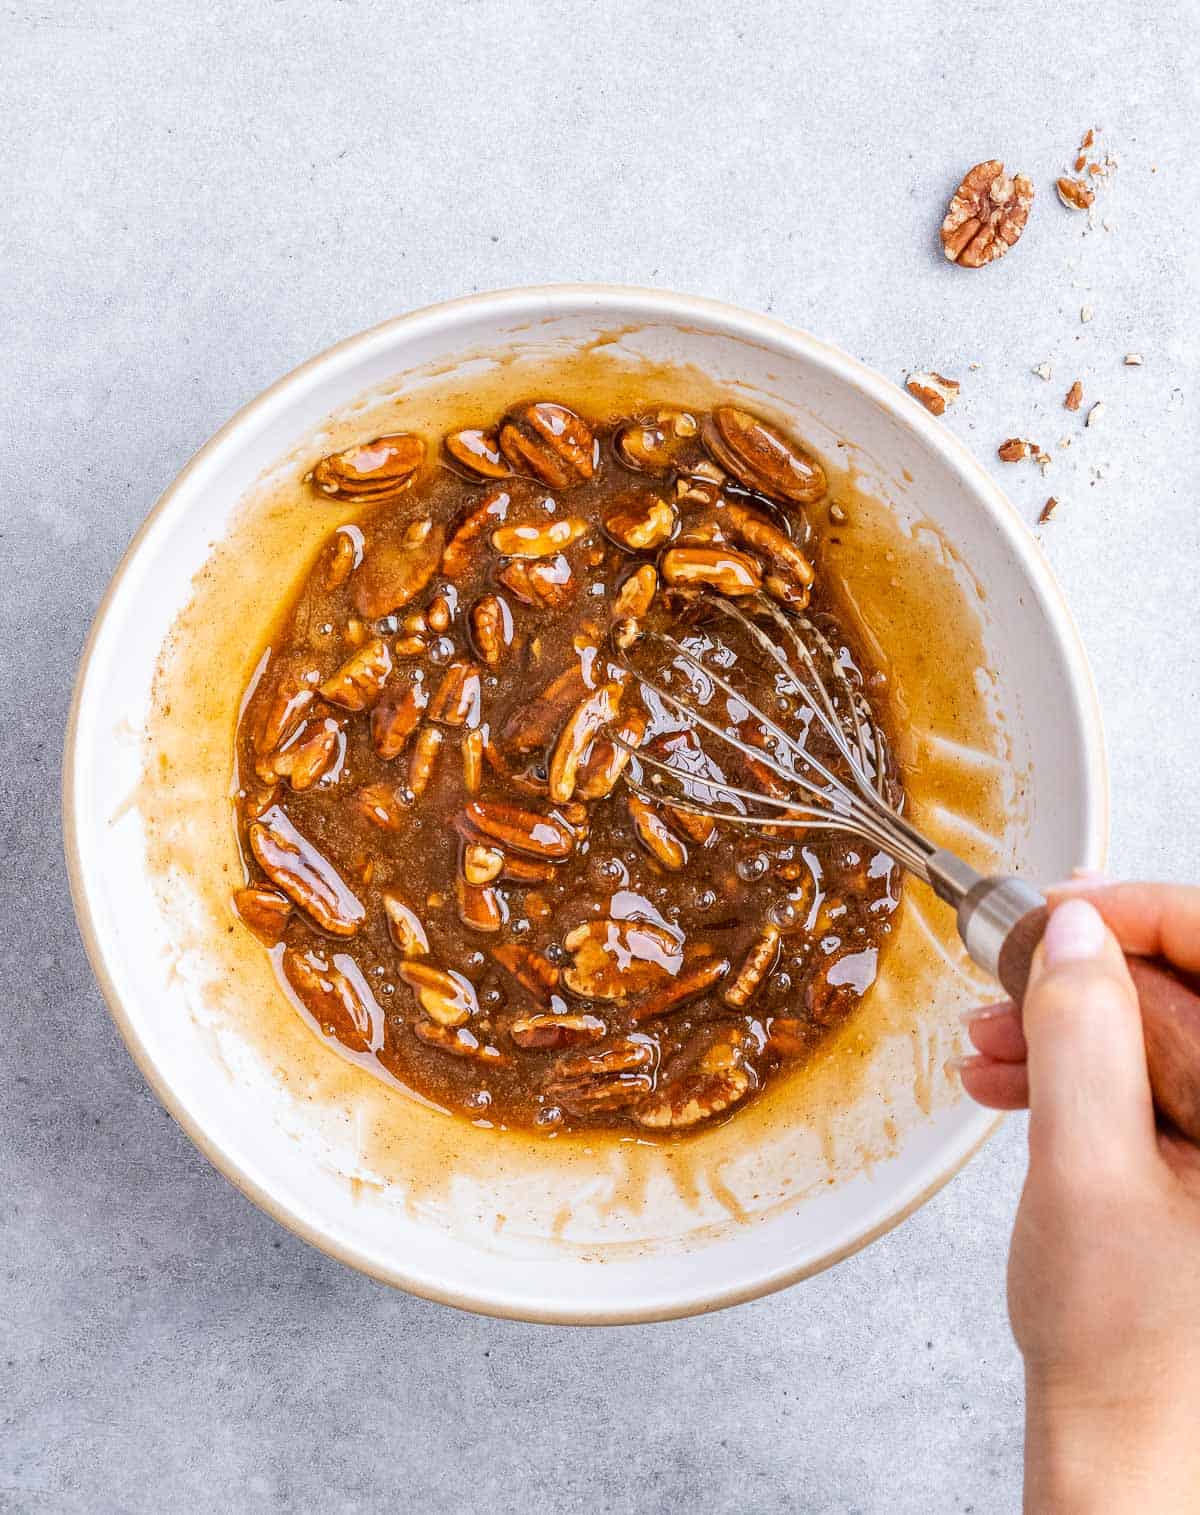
[[1170, 1021]]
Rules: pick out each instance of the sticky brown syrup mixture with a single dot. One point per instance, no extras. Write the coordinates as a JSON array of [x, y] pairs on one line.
[[447, 853]]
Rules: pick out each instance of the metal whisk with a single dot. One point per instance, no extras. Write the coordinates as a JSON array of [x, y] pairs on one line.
[[1000, 918]]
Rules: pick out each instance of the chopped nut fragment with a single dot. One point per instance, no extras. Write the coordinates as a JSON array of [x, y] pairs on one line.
[[1134, 360], [1014, 450], [1086, 312], [933, 390], [1043, 371], [1048, 510], [1074, 396], [1074, 193], [1095, 414]]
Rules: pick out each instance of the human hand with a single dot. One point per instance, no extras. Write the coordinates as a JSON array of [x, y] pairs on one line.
[[1104, 1269]]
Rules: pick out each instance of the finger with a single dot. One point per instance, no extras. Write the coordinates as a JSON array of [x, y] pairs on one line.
[[999, 1086], [1089, 1092], [995, 1030], [1153, 920]]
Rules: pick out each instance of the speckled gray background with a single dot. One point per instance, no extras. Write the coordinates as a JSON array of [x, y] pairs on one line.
[[199, 196]]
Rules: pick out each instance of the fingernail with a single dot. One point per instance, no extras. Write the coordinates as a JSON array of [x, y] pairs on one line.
[[1081, 878], [960, 1064], [986, 1012], [1074, 933]]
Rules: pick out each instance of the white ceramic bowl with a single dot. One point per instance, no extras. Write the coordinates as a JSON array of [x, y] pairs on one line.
[[566, 1230]]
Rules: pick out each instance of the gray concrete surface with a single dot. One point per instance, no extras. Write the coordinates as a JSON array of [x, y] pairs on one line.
[[200, 196]]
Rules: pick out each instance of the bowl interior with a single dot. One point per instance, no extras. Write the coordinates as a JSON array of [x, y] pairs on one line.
[[1005, 764]]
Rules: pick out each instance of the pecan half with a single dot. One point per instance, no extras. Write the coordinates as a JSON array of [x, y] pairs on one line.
[[404, 926], [547, 583], [472, 760], [608, 759], [476, 453], [377, 803], [613, 959], [447, 998], [480, 907], [655, 835], [334, 992], [459, 1042], [783, 560], [304, 874], [987, 215], [458, 697], [424, 756], [696, 1091], [340, 557], [535, 973], [550, 442], [556, 1032], [639, 520], [290, 698], [720, 568], [393, 573], [538, 541], [760, 458], [636, 594], [533, 726], [757, 967], [264, 911], [307, 758], [371, 471], [464, 544], [539, 836], [394, 719], [491, 624], [689, 984], [592, 713], [611, 1079], [360, 679], [652, 444]]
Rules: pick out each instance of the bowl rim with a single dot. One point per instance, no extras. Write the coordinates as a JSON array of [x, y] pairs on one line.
[[539, 301]]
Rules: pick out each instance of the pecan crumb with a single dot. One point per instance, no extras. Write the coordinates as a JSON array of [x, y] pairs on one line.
[[1074, 397], [1089, 139], [933, 390], [1043, 371], [1095, 414], [987, 215], [1048, 510], [1134, 360], [1086, 312], [1075, 194]]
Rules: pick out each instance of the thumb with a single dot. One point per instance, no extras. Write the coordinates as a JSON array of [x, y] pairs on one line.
[[1089, 1092]]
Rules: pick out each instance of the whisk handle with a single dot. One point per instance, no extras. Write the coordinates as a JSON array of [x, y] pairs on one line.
[[1170, 1020]]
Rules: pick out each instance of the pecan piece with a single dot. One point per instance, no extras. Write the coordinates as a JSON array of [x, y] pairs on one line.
[[550, 442], [526, 870], [611, 1079], [639, 520], [447, 998], [1074, 396], [372, 471], [394, 719], [480, 864], [360, 679], [535, 973], [538, 541], [987, 215], [264, 911], [608, 760], [764, 461], [720, 568], [304, 874], [377, 803], [340, 557], [934, 391], [783, 560], [655, 835], [491, 624], [480, 907], [461, 549], [757, 967], [538, 836], [459, 1042], [592, 713], [334, 992], [696, 1091], [393, 573], [458, 696], [547, 583], [424, 756], [472, 760], [476, 453], [292, 695], [693, 981], [533, 726], [636, 594], [307, 758], [652, 444], [613, 959], [556, 1032], [404, 926], [1075, 194]]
